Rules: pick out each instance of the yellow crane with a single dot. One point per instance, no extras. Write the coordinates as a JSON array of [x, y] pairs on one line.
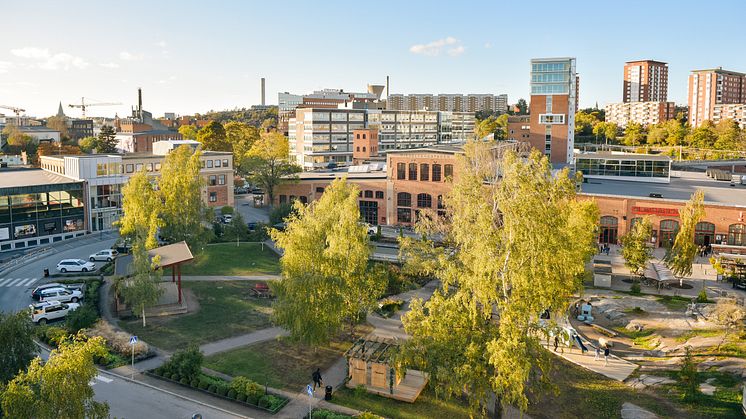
[[83, 105]]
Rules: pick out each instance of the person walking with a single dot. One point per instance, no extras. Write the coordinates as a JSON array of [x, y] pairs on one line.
[[556, 342], [606, 355], [317, 378], [598, 353]]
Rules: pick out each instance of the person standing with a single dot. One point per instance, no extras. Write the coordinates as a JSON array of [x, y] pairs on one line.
[[606, 355], [556, 342], [598, 353], [316, 378]]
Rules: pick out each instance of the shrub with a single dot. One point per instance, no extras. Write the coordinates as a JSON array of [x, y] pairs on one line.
[[226, 210], [360, 391], [118, 341], [232, 394], [270, 402], [194, 383], [702, 296], [368, 415], [265, 402], [222, 390], [203, 383], [82, 318], [186, 362], [184, 381], [635, 288], [176, 377], [241, 397], [280, 213], [212, 388], [53, 335]]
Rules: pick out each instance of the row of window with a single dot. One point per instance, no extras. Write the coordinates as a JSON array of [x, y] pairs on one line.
[[424, 171], [424, 200], [704, 232], [216, 180], [215, 163]]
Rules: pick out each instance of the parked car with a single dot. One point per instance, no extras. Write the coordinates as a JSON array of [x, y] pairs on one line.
[[251, 225], [75, 265], [257, 191], [50, 310], [106, 254], [64, 295], [36, 293]]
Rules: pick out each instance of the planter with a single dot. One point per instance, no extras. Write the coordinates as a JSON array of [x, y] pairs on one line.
[[272, 411]]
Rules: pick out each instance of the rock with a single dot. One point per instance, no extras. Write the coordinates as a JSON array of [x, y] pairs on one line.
[[631, 411], [614, 315], [707, 389], [634, 326]]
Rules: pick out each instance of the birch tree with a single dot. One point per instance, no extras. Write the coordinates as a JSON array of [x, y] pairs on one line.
[[683, 252], [142, 289], [635, 249], [141, 210], [179, 188], [519, 242]]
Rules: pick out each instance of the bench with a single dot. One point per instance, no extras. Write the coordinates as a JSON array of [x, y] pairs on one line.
[[605, 331]]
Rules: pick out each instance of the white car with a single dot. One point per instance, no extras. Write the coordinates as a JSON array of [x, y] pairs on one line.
[[227, 218], [106, 254], [50, 310], [63, 295], [75, 265]]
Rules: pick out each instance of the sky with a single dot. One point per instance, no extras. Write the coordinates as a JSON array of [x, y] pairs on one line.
[[193, 56]]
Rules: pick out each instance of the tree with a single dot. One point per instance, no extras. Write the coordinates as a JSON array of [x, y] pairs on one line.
[[688, 375], [606, 130], [325, 277], [58, 123], [729, 135], [676, 131], [16, 137], [212, 137], [520, 243], [267, 163], [142, 289], [497, 125], [635, 249], [585, 122], [704, 136], [106, 140], [241, 137], [522, 107], [681, 255], [657, 135], [188, 132], [729, 314], [17, 346], [141, 210], [88, 144], [59, 388], [634, 134], [179, 187]]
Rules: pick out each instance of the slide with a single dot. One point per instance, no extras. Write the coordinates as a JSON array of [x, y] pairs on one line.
[[579, 343]]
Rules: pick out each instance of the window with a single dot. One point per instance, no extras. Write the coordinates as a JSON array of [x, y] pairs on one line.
[[303, 199], [130, 168], [368, 194], [401, 171], [209, 164], [150, 167], [221, 180], [448, 171], [436, 173], [669, 229], [412, 171], [403, 199], [217, 163], [608, 231], [737, 235], [319, 189], [704, 233], [225, 163], [358, 147], [379, 194], [213, 197], [551, 118], [404, 215], [424, 200], [363, 149], [138, 167], [283, 199], [440, 202], [157, 167], [424, 171], [213, 180]]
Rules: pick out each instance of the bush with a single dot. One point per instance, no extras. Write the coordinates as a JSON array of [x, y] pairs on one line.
[[186, 362], [82, 318], [176, 377], [194, 383], [118, 341], [203, 383], [232, 394], [360, 391], [52, 335], [226, 210], [369, 415], [241, 397], [280, 213], [702, 296], [212, 388], [184, 381], [635, 288], [222, 390]]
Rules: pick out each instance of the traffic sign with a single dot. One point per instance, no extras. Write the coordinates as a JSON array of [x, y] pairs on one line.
[[133, 340], [309, 390]]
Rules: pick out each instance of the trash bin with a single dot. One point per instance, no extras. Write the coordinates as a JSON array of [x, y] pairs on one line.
[[328, 393], [46, 272]]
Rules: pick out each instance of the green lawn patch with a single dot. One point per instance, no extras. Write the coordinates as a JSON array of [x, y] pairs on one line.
[[674, 302], [724, 403], [707, 333], [229, 259], [225, 310], [427, 405], [279, 363]]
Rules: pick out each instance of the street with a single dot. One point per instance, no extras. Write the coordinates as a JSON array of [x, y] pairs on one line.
[[16, 285]]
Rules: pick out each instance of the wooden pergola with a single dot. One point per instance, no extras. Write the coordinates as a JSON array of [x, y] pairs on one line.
[[172, 256]]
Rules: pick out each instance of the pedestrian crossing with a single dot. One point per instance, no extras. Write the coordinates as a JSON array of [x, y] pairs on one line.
[[17, 282]]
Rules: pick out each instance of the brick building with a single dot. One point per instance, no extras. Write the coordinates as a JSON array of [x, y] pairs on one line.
[[709, 88], [644, 113], [645, 81]]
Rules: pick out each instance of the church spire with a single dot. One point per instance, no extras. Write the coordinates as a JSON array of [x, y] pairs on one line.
[[60, 112]]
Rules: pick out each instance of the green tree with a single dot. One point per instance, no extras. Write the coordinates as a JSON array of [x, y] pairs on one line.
[[683, 252], [106, 140], [657, 135], [59, 388], [729, 135], [325, 277], [180, 187], [58, 123], [634, 134], [585, 122], [520, 246], [142, 289], [212, 137], [17, 346], [605, 130], [497, 125], [188, 132], [688, 375], [15, 137], [88, 144], [141, 210], [241, 137], [635, 249], [704, 136], [522, 107], [676, 132], [267, 163]]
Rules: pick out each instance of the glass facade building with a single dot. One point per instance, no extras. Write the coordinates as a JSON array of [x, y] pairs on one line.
[[625, 167]]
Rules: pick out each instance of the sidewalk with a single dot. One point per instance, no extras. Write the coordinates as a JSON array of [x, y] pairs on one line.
[[228, 344]]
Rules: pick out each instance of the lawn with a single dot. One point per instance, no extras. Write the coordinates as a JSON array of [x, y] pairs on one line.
[[225, 311], [674, 302], [280, 363], [724, 403], [229, 259], [427, 405]]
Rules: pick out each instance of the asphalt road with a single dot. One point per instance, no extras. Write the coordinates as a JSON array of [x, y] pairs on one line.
[[16, 285]]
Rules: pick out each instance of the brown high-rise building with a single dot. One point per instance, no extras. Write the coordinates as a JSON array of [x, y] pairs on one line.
[[645, 81], [708, 88]]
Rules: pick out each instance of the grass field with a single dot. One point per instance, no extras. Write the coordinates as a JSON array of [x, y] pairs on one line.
[[232, 260], [280, 363], [225, 311], [427, 405]]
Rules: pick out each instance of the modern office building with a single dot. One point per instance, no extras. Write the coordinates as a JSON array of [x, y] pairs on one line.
[[552, 107], [322, 99], [645, 81], [104, 175], [645, 113], [624, 166], [736, 112], [708, 88], [320, 136], [448, 102]]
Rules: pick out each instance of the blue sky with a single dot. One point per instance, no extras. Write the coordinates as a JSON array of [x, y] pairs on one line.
[[195, 56]]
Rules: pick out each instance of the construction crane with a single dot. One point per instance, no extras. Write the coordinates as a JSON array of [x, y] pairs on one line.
[[83, 105], [17, 111]]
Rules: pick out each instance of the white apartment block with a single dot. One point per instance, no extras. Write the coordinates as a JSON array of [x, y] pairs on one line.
[[644, 113], [734, 111], [448, 102]]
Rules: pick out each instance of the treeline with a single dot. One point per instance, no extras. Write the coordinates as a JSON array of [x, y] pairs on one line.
[[265, 119]]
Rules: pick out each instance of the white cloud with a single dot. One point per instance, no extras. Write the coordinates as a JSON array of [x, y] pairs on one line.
[[49, 61], [161, 44], [128, 56], [436, 47], [108, 65]]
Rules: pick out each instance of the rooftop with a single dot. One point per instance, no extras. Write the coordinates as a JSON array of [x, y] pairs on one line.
[[622, 156], [645, 61], [719, 70], [438, 148], [15, 178], [682, 186], [334, 174]]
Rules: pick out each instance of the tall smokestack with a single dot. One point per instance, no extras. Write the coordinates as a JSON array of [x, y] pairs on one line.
[[387, 87], [139, 102], [263, 91]]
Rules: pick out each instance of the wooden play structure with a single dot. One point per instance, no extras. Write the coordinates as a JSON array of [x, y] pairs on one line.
[[368, 365]]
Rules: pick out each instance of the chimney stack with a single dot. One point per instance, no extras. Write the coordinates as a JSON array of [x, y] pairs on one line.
[[263, 103], [139, 103], [387, 87]]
